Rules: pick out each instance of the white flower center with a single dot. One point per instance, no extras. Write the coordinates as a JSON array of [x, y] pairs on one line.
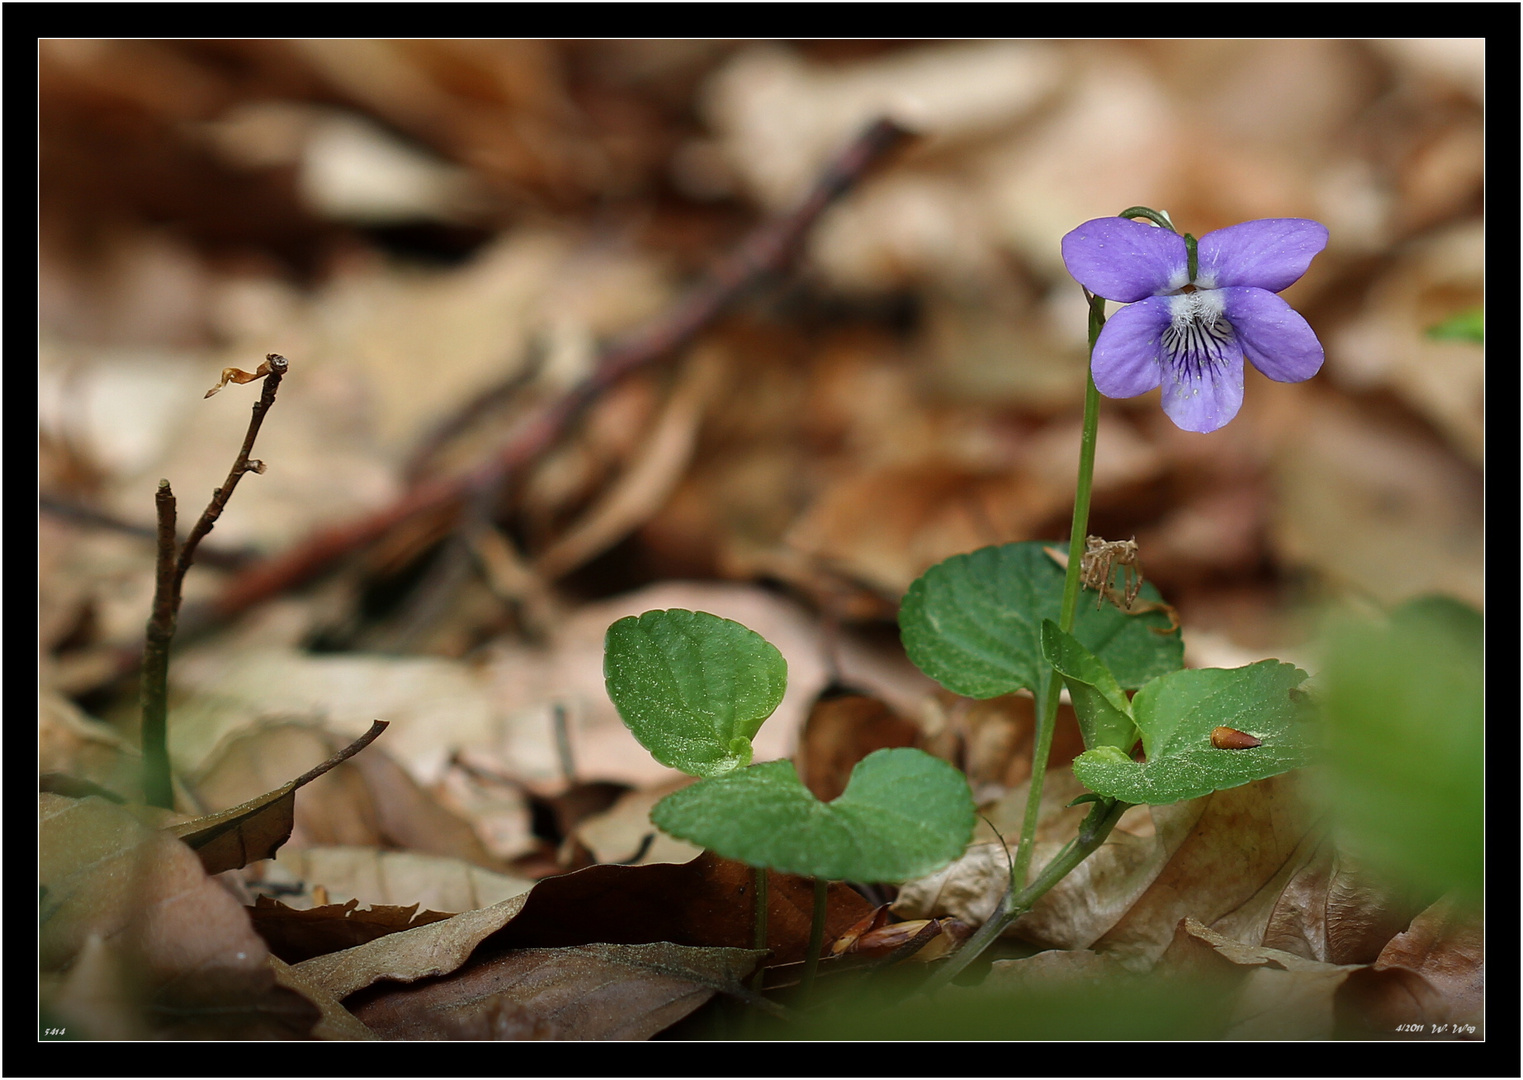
[[1199, 338]]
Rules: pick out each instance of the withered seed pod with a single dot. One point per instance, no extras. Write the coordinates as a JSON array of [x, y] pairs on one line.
[[1226, 738]]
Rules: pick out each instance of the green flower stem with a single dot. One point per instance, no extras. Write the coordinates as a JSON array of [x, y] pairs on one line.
[[816, 936], [760, 873], [1096, 828], [1047, 699]]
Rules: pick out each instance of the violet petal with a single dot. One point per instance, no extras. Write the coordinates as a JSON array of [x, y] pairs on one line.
[[1124, 260], [1270, 253], [1126, 357], [1203, 398], [1274, 336]]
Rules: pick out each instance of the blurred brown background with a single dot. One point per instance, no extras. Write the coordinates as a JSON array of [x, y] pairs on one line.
[[413, 222]]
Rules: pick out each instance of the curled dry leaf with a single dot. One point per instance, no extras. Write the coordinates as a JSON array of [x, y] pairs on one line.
[[295, 935], [234, 838], [367, 800]]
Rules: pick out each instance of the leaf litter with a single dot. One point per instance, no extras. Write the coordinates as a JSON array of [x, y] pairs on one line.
[[799, 469]]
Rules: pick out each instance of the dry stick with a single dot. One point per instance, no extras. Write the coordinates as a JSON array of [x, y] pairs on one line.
[[157, 788], [169, 580], [766, 250]]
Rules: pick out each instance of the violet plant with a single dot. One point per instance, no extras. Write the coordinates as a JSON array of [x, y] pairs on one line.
[[694, 689], [1007, 618]]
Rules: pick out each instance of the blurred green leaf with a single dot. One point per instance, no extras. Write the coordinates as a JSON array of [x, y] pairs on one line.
[[1469, 325], [974, 622], [1176, 714], [1122, 1007], [903, 815], [1404, 705], [692, 687]]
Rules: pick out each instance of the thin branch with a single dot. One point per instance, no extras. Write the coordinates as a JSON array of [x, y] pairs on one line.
[[767, 250], [278, 365], [169, 579], [154, 739]]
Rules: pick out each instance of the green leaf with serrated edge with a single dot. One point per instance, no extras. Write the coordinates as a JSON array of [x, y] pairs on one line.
[[692, 687], [1105, 714], [903, 815], [973, 623], [1176, 714]]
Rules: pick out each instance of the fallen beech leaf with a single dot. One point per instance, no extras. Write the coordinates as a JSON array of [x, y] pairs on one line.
[[435, 949], [1275, 994], [1331, 910], [706, 902], [1445, 948], [1226, 871], [234, 838], [368, 800], [1083, 905], [842, 729], [181, 959], [336, 1022], [593, 991], [400, 878], [623, 830], [295, 935]]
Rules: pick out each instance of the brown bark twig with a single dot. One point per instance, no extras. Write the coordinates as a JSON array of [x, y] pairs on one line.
[[171, 566], [767, 250]]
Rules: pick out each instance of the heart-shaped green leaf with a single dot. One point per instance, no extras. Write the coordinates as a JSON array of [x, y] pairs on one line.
[[974, 623], [903, 815], [1176, 714], [692, 687], [1105, 714]]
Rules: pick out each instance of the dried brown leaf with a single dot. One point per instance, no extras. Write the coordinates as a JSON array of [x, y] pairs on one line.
[[180, 959], [1445, 947], [295, 935], [841, 730], [707, 902], [254, 830], [593, 991], [1240, 849], [1276, 995], [399, 878], [335, 1021], [367, 800], [1332, 911], [435, 949]]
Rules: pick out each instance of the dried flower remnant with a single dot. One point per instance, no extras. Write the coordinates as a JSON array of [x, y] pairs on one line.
[[239, 376], [1196, 312]]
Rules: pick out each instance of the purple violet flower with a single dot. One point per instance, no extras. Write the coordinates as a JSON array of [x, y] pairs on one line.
[[1191, 336]]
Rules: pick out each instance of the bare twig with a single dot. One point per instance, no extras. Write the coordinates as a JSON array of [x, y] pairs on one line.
[[278, 366], [169, 580], [157, 788], [767, 250]]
